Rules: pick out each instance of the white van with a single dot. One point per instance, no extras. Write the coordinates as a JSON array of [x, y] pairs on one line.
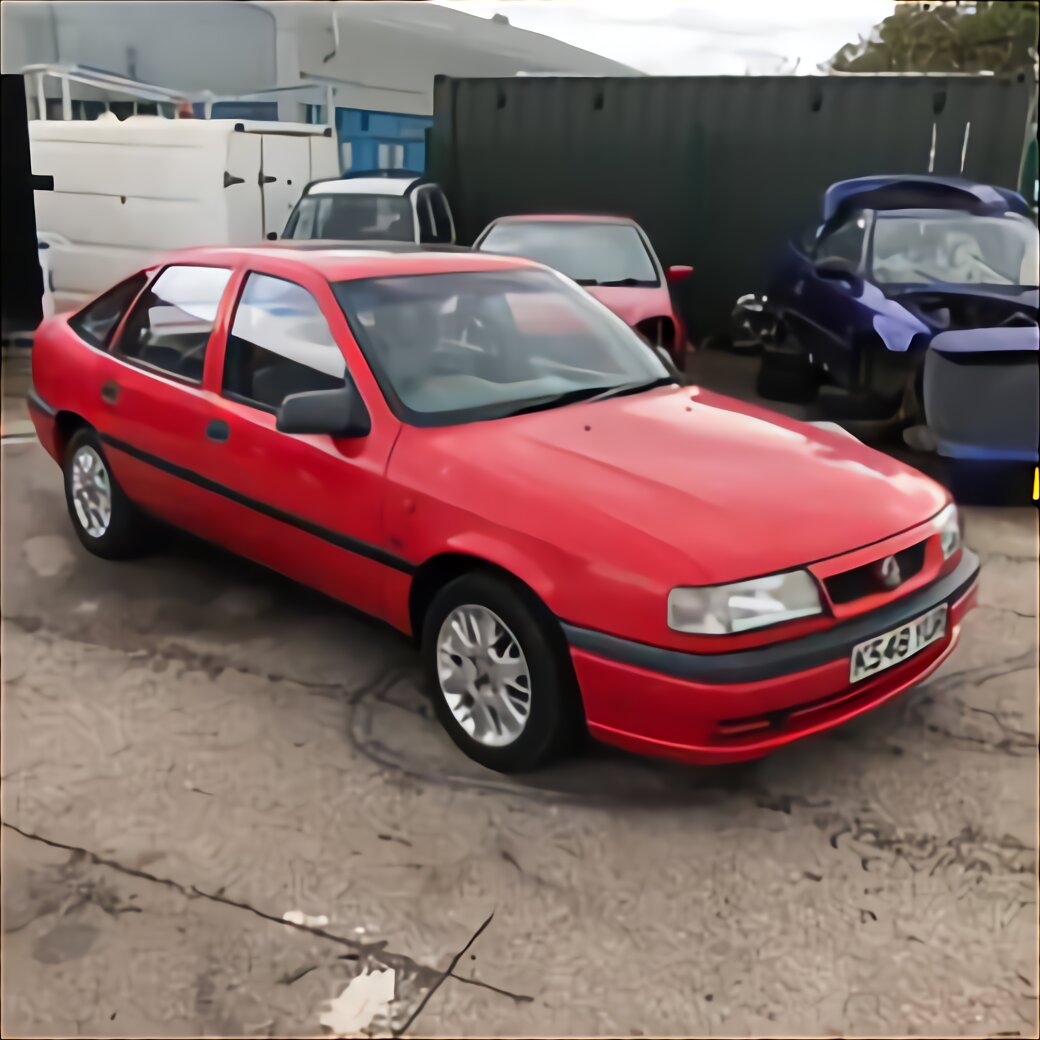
[[126, 191]]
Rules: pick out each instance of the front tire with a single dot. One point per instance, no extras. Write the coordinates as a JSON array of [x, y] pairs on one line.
[[106, 522], [499, 674]]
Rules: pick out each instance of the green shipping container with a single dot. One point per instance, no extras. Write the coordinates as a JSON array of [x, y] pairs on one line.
[[720, 170]]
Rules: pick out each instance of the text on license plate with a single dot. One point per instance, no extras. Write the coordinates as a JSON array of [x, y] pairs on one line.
[[884, 651]]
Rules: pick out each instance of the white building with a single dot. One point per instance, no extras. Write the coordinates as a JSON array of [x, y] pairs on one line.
[[373, 63]]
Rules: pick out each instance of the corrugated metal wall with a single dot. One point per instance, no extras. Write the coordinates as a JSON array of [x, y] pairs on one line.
[[719, 170]]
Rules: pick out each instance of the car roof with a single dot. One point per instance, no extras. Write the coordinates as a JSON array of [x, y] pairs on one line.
[[563, 218], [363, 186], [909, 190], [343, 261]]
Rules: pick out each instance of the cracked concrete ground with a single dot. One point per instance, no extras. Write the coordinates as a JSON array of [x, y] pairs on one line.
[[193, 746]]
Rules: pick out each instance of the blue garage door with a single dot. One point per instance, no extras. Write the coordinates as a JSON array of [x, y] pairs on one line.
[[377, 140]]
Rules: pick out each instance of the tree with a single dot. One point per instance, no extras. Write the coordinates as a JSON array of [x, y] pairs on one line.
[[995, 36]]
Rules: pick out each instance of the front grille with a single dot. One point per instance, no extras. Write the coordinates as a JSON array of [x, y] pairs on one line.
[[866, 580]]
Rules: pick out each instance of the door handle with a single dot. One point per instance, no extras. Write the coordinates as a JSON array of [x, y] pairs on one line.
[[218, 430], [110, 391]]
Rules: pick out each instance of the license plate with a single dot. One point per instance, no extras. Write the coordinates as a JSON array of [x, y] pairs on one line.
[[884, 651]]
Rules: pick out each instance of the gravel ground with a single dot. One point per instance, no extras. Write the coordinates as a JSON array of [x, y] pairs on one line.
[[193, 747]]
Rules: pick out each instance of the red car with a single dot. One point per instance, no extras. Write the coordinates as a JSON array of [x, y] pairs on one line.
[[611, 257], [476, 451]]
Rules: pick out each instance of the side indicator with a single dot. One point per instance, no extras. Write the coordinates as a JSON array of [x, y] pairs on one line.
[[1036, 483]]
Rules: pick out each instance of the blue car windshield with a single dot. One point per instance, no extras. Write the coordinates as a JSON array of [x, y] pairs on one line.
[[914, 247]]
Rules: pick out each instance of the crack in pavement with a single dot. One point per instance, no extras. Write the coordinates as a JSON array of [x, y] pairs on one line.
[[376, 951]]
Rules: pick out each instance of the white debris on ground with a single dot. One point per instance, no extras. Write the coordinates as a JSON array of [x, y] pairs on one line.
[[48, 555], [298, 917], [364, 1003]]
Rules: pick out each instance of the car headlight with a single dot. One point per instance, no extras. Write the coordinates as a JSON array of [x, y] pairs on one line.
[[744, 605], [951, 530]]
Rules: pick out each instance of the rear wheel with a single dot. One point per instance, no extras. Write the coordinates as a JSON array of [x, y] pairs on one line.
[[499, 675], [105, 520]]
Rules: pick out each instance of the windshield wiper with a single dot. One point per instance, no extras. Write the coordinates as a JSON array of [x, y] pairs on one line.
[[587, 394], [613, 282], [554, 401], [630, 388]]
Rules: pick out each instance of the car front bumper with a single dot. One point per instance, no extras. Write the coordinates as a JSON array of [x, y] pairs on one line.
[[715, 708]]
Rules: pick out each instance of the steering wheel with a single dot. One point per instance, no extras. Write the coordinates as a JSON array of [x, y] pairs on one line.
[[473, 349]]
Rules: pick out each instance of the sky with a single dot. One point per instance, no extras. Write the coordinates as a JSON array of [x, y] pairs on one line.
[[697, 37]]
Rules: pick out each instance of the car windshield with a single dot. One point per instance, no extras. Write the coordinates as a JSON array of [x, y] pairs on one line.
[[591, 254], [449, 348], [352, 217], [956, 248]]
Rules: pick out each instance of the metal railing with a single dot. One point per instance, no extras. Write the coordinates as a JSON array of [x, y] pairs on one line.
[[314, 91]]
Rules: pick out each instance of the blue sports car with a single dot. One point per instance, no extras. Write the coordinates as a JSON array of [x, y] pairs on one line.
[[917, 297]]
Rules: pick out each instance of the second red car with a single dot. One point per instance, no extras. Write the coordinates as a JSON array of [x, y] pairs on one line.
[[611, 257]]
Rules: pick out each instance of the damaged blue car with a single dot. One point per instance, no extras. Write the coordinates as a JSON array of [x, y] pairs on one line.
[[915, 300]]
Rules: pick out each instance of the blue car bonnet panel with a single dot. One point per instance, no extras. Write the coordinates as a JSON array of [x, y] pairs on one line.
[[918, 191]]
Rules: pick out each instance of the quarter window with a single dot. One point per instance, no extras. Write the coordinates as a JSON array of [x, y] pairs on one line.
[[98, 320], [280, 344], [170, 325]]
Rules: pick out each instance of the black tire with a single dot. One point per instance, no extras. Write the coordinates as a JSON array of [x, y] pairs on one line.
[[555, 716], [787, 375], [126, 533]]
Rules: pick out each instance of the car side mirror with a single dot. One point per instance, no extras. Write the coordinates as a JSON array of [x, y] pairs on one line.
[[339, 413], [678, 273], [272, 236]]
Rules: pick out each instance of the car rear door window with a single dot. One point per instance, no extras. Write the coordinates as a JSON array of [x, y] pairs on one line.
[[280, 344], [442, 230], [427, 231], [98, 320], [170, 325]]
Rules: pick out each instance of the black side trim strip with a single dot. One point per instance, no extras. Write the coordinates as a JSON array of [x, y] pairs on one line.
[[776, 659], [37, 402], [341, 541]]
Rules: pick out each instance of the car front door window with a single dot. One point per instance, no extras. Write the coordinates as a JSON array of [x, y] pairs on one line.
[[280, 344]]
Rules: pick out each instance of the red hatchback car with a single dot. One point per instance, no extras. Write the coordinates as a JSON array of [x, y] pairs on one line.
[[611, 257], [476, 451]]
